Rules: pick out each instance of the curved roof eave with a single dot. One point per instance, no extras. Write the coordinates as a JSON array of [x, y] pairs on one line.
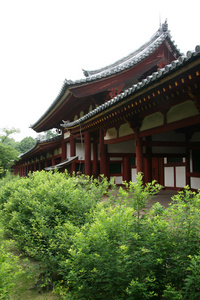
[[59, 99], [124, 64], [38, 143], [144, 83], [136, 56]]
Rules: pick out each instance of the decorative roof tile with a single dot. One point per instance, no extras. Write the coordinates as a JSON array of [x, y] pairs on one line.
[[125, 63], [136, 56], [162, 72]]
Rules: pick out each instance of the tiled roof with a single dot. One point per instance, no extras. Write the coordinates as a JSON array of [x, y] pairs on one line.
[[125, 63], [135, 57], [38, 142], [145, 82]]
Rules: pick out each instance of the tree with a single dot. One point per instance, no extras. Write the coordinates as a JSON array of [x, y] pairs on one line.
[[47, 135], [7, 152], [6, 134], [25, 144]]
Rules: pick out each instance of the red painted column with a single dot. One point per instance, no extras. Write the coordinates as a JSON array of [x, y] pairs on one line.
[[87, 147], [53, 161], [148, 161], [103, 160], [126, 169], [139, 151], [95, 159], [73, 152], [63, 146], [45, 163], [187, 158]]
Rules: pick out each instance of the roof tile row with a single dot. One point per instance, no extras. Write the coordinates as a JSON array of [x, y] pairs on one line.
[[168, 68]]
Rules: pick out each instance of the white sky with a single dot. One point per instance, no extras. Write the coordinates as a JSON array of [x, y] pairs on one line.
[[45, 41]]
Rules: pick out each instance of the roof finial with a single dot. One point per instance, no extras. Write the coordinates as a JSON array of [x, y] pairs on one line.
[[159, 20], [165, 26]]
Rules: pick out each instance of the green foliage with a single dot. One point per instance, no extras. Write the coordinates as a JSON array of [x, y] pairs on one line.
[[26, 144], [8, 153], [97, 243], [47, 135], [9, 269], [6, 132], [36, 210]]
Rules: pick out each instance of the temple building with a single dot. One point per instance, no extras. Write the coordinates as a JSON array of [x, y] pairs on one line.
[[139, 114]]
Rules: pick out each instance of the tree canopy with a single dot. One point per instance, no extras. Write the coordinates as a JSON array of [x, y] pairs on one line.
[[10, 149], [25, 144], [8, 153]]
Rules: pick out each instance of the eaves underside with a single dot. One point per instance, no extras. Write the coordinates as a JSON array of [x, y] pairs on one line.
[[128, 96]]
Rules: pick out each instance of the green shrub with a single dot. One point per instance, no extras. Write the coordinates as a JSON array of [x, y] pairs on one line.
[[9, 271], [111, 249], [36, 210]]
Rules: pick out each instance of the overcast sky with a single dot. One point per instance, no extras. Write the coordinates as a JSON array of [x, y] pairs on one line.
[[45, 41]]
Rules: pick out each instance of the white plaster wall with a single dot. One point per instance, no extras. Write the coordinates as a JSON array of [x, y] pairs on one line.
[[195, 183], [80, 151], [111, 134], [124, 147], [66, 135], [68, 150], [180, 176], [153, 120], [133, 174], [181, 111], [169, 176], [125, 129], [118, 179]]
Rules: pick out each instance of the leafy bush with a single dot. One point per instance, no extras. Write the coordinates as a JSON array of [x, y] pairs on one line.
[[111, 249], [9, 270], [36, 210]]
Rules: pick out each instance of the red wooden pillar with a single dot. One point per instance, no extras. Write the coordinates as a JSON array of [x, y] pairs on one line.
[[139, 151], [35, 166], [103, 160], [95, 159], [73, 151], [126, 169], [45, 163], [187, 158], [87, 153], [187, 166], [53, 161], [63, 146], [148, 161]]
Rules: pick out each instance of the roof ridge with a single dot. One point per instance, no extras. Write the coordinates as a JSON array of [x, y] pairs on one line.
[[155, 75], [134, 57]]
